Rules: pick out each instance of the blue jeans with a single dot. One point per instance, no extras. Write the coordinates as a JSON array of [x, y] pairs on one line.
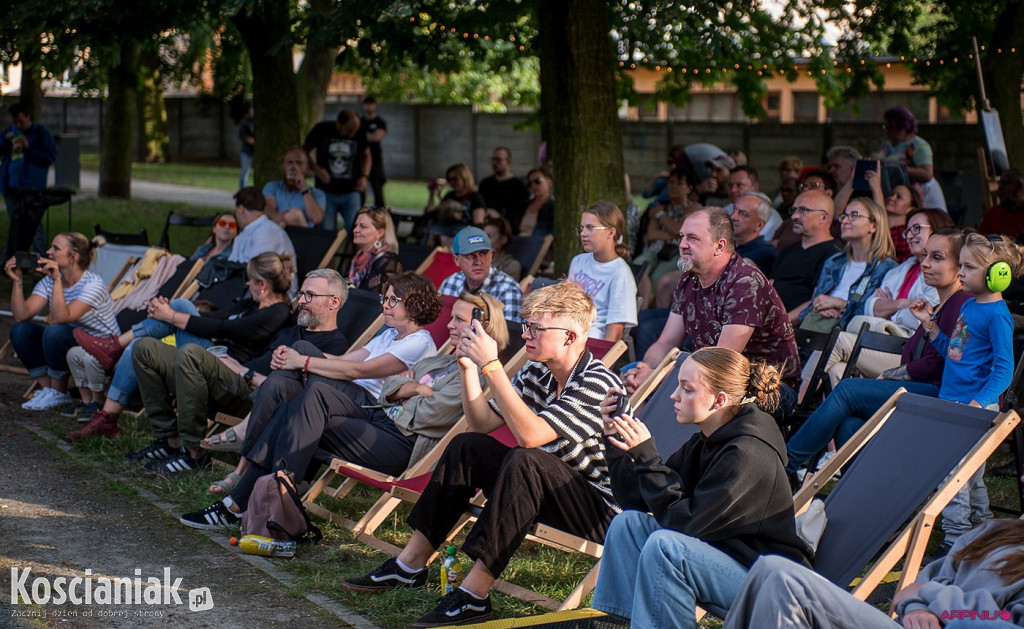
[[43, 348], [124, 383], [648, 328], [347, 204], [246, 160], [656, 577], [842, 414]]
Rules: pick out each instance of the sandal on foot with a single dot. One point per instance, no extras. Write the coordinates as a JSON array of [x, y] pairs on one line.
[[226, 441], [225, 486]]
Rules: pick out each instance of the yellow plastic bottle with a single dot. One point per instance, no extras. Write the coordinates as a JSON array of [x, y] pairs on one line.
[[451, 571], [266, 546]]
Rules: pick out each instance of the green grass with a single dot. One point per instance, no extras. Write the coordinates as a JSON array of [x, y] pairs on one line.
[[320, 568], [399, 193]]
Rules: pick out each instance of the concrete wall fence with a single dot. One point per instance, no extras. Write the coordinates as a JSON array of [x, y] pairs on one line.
[[423, 140]]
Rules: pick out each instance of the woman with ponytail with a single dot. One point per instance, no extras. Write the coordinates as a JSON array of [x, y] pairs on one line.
[[75, 297], [692, 525], [603, 271]]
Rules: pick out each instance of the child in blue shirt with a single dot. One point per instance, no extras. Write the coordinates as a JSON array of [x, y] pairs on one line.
[[979, 355]]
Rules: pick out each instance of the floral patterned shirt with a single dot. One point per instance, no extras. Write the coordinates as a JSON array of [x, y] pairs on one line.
[[741, 295]]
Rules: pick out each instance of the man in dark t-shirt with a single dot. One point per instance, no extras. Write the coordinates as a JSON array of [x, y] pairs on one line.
[[503, 191], [375, 128], [796, 269], [341, 164], [722, 300]]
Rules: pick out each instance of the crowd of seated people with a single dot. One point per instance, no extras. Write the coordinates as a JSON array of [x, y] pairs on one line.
[[737, 273]]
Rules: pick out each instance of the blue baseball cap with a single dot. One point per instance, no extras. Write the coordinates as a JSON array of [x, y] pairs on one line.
[[470, 240]]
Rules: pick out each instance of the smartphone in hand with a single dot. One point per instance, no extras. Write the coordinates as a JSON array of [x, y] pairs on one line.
[[860, 182]]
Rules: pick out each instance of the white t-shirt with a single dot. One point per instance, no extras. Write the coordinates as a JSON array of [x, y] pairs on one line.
[[611, 286], [409, 350], [851, 273], [99, 320]]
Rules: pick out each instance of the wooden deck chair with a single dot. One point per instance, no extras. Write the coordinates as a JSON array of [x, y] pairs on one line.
[[529, 251], [525, 284], [385, 505], [314, 248], [123, 238], [438, 266], [409, 490], [819, 385], [883, 487]]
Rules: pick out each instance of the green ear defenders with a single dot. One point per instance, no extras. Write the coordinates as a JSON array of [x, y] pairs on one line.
[[999, 275]]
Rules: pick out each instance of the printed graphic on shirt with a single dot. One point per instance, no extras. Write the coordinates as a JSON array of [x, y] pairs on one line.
[[591, 286], [341, 153], [958, 341]]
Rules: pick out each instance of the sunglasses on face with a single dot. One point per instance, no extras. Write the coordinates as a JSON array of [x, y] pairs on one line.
[[223, 222]]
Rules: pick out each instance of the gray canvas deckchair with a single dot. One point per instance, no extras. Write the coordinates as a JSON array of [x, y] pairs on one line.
[[916, 450]]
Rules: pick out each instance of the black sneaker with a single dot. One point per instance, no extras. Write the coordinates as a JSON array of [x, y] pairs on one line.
[[178, 463], [156, 451], [457, 608], [216, 516], [388, 576]]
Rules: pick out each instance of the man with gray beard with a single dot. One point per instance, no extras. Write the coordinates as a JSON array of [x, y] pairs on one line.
[[723, 300], [204, 383]]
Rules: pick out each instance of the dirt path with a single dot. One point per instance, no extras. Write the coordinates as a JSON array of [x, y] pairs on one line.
[[59, 519]]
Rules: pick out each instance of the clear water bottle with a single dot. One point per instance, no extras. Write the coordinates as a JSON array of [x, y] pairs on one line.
[[17, 146], [451, 571]]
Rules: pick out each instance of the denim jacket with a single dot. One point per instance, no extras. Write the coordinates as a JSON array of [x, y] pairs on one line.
[[863, 288]]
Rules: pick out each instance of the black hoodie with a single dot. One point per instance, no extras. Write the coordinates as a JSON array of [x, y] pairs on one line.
[[729, 490]]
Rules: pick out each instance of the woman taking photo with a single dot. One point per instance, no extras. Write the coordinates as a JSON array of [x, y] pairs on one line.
[[603, 271], [412, 411], [77, 299], [244, 334], [692, 525], [376, 258], [409, 302], [463, 190]]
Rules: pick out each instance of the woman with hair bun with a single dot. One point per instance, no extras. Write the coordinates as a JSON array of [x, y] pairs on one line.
[[693, 525], [244, 335], [603, 271], [76, 297]]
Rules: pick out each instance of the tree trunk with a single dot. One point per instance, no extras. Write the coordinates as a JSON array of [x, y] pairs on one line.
[[155, 144], [31, 87], [1003, 76], [265, 30], [117, 150], [578, 102], [314, 74]]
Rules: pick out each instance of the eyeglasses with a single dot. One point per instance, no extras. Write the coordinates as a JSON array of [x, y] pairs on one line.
[[531, 330], [223, 222], [851, 216], [305, 297], [803, 209], [811, 185], [916, 229], [590, 229], [391, 301]]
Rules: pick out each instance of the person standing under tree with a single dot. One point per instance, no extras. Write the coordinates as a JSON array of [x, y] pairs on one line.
[[247, 145], [375, 128]]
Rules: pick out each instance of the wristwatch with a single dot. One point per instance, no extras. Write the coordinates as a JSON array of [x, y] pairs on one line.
[[306, 191], [249, 376]]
